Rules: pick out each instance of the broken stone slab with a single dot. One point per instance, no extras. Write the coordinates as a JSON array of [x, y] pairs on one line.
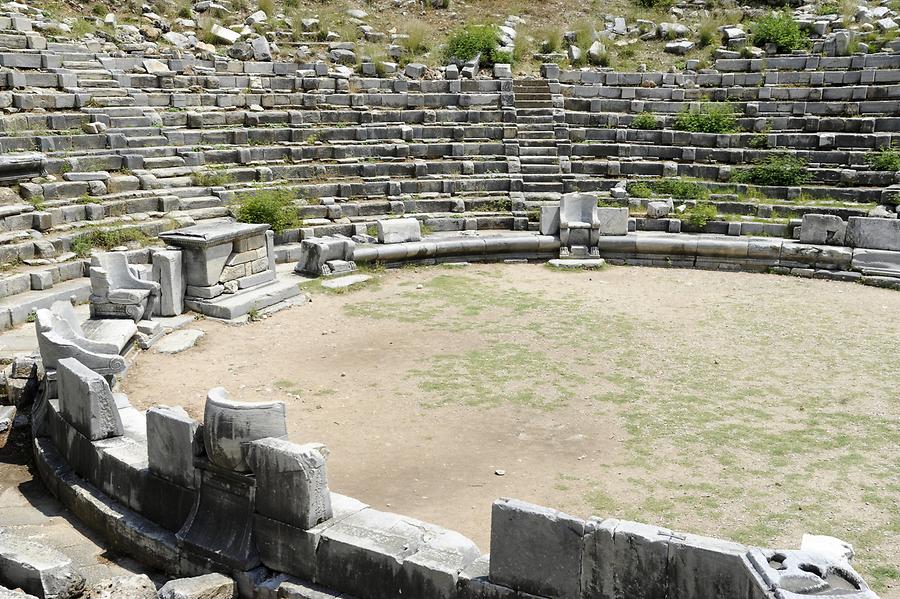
[[5, 593], [20, 167], [86, 401], [223, 33], [433, 570], [179, 341], [291, 482], [37, 569], [876, 262], [7, 418], [535, 549], [229, 427], [658, 209], [680, 48], [577, 263], [399, 230], [208, 586], [345, 281], [823, 229], [172, 444], [792, 574], [134, 587], [167, 270], [364, 555]]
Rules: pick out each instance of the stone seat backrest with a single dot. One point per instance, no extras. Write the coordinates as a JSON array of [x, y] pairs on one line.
[[110, 272], [578, 210], [57, 340], [230, 426]]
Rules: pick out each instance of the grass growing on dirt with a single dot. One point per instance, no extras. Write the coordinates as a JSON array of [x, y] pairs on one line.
[[744, 441]]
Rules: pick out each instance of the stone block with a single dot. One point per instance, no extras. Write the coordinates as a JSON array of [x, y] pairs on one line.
[[167, 271], [823, 229], [873, 233], [613, 221], [172, 444], [41, 280], [549, 220], [434, 569], [363, 554], [86, 401], [229, 427], [291, 482], [876, 262], [208, 586], [37, 569], [398, 230], [535, 549], [700, 567], [7, 417]]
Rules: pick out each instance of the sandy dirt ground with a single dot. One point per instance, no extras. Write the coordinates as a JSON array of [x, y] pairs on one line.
[[752, 407]]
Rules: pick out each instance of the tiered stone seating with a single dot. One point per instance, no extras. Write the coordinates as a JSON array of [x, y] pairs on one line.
[[169, 140]]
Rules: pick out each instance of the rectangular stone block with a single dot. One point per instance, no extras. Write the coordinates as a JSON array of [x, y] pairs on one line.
[[701, 568], [873, 233], [613, 221], [86, 401], [398, 230], [535, 549], [291, 482], [172, 444], [823, 229], [549, 220], [167, 271]]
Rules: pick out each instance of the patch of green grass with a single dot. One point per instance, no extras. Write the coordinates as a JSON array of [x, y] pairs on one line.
[[212, 177], [107, 239]]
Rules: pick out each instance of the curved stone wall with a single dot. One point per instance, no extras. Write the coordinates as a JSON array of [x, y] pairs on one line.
[[227, 496]]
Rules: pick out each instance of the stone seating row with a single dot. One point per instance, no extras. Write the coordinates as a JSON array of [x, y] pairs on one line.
[[756, 123], [862, 92], [769, 109], [822, 162]]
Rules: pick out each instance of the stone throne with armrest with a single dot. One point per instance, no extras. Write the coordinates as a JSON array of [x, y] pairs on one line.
[[579, 225], [116, 292]]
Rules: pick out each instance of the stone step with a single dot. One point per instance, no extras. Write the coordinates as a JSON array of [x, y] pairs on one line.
[[163, 162], [147, 142], [201, 202], [239, 304], [529, 178], [537, 187], [15, 309], [519, 104], [540, 168], [112, 101]]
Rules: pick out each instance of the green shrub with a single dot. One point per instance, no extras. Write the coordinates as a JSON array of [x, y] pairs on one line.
[[273, 207], [779, 168], [639, 190], [98, 10], [466, 43], [885, 159], [645, 120], [267, 6], [718, 117], [106, 239], [780, 29], [700, 214]]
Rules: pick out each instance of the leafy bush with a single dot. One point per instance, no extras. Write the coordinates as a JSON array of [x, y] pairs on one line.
[[677, 188], [778, 168], [645, 120], [274, 207], [639, 190], [780, 29], [106, 239], [885, 159], [466, 43], [718, 117], [700, 214]]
